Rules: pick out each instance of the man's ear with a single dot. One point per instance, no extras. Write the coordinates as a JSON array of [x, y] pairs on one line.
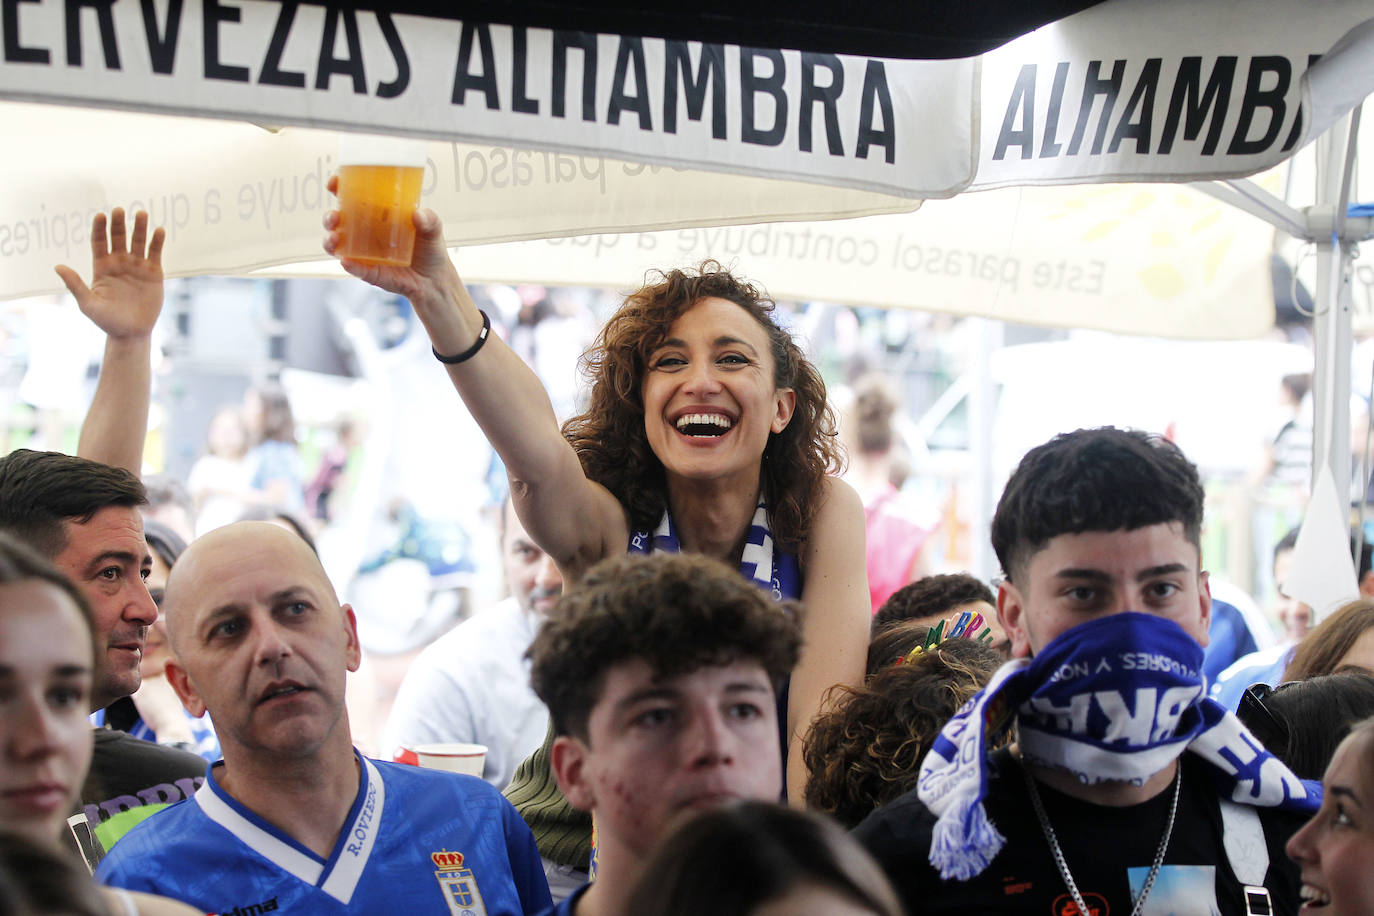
[[568, 761], [1205, 601], [1011, 613], [185, 690], [355, 648]]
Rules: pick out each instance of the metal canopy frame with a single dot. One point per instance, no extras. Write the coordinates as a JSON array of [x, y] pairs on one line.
[[1335, 235]]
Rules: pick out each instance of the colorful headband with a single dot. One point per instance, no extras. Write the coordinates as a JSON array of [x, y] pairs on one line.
[[963, 627]]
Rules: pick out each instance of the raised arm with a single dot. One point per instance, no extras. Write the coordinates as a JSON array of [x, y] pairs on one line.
[[124, 300], [574, 520], [838, 614]]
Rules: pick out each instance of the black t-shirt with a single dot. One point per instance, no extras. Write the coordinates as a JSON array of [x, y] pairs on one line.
[[127, 772], [1106, 848]]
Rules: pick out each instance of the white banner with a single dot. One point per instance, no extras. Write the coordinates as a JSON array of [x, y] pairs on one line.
[[1129, 90], [1170, 90], [846, 121]]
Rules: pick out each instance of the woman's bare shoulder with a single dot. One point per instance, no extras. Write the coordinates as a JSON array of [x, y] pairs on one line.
[[839, 505]]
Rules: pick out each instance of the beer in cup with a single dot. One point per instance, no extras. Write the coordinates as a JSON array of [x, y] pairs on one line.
[[379, 190]]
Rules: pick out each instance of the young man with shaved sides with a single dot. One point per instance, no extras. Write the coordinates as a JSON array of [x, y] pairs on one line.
[[1127, 790]]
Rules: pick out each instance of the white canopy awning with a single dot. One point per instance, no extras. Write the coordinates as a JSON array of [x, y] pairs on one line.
[[541, 131]]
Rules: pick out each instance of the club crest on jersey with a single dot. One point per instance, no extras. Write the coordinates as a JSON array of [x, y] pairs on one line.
[[457, 884]]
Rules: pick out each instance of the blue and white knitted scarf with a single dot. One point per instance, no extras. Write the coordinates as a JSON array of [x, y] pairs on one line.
[[1116, 699], [772, 570]]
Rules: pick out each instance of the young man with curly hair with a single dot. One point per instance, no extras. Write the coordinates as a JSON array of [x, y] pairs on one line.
[[661, 675]]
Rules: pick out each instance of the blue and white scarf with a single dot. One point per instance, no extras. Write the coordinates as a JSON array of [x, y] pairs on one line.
[[772, 570], [1116, 699]]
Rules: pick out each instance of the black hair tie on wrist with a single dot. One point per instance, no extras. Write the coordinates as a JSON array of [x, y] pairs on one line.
[[471, 351]]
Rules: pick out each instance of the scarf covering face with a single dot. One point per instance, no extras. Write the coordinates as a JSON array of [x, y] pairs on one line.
[[772, 570], [1118, 698]]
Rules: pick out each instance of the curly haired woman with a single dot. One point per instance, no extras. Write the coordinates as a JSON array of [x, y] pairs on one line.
[[867, 750], [707, 432]]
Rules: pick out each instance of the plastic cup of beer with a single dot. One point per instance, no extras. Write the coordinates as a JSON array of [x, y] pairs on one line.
[[452, 756], [379, 191]]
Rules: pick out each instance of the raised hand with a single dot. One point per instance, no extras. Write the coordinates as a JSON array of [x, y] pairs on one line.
[[125, 295], [124, 300]]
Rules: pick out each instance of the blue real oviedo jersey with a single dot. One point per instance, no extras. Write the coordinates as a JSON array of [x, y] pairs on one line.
[[416, 842]]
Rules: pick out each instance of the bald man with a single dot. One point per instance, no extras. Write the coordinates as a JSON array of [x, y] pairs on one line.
[[294, 818]]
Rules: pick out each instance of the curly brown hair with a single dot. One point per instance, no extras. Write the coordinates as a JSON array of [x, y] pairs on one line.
[[609, 436], [676, 612], [867, 749], [890, 645], [1321, 650]]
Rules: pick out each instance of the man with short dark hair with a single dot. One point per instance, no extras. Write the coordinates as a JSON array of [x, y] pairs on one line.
[[84, 517], [661, 674], [1125, 785], [293, 818], [82, 513]]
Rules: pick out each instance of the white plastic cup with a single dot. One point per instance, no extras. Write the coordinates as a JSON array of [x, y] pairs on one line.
[[379, 190], [453, 757]]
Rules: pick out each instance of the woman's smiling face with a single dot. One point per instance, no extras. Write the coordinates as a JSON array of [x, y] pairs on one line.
[[1335, 849], [710, 402], [45, 689]]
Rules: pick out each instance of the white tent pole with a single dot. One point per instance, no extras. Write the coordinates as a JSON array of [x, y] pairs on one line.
[[1244, 194], [1331, 327]]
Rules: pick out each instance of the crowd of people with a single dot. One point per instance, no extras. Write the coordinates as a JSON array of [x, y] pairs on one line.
[[694, 700]]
